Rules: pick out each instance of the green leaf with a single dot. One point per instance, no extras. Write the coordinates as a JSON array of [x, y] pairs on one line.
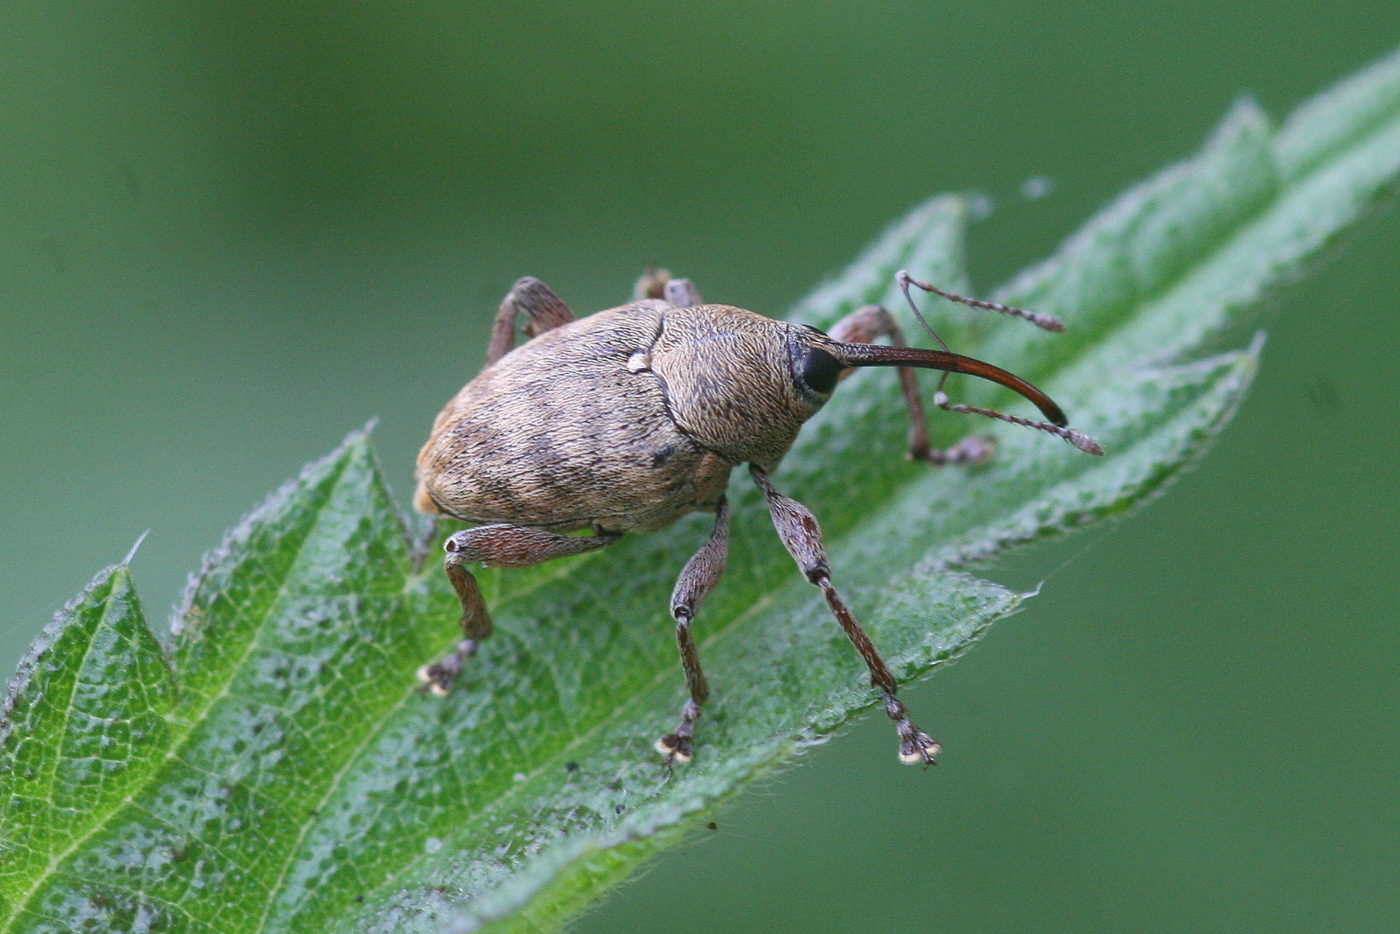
[[273, 768]]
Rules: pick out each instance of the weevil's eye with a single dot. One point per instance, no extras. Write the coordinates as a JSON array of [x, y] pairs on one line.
[[818, 370]]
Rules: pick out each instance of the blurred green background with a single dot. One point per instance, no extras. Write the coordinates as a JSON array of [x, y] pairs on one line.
[[233, 232]]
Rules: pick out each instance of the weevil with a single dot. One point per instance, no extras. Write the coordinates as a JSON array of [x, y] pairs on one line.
[[628, 419]]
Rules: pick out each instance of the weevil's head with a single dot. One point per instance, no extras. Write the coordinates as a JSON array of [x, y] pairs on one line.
[[739, 383]]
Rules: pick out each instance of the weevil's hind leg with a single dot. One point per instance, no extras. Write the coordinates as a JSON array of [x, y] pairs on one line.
[[659, 283], [499, 545], [697, 579], [867, 325], [543, 311], [802, 537]]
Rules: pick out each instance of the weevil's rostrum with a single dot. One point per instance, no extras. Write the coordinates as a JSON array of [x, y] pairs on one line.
[[630, 418]]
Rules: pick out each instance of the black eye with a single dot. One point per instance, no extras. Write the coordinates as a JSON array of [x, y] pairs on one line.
[[819, 370]]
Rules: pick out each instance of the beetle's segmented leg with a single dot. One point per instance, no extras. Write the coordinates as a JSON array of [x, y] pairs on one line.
[[865, 326], [543, 311], [476, 626], [697, 579], [498, 545], [802, 537], [659, 283], [682, 293], [651, 283]]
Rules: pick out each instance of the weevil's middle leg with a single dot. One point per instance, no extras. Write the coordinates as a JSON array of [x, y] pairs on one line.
[[870, 323], [498, 545], [543, 311], [802, 537]]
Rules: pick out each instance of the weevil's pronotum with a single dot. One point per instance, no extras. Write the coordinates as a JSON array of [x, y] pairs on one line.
[[631, 418]]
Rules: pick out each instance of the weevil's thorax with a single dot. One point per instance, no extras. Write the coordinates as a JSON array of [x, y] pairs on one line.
[[729, 380]]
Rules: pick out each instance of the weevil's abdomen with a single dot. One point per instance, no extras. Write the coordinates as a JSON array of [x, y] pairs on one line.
[[570, 431]]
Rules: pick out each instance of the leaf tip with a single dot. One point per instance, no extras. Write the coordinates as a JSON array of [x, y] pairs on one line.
[[357, 441], [131, 553]]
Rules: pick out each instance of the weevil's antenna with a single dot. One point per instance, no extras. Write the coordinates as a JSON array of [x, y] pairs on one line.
[[1038, 318]]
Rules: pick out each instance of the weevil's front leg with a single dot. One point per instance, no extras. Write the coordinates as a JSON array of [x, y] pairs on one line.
[[802, 537], [543, 311], [697, 579], [499, 545], [865, 326]]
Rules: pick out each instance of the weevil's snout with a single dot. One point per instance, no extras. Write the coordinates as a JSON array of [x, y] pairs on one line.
[[879, 355]]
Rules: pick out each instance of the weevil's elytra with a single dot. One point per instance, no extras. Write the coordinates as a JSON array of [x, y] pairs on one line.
[[628, 419]]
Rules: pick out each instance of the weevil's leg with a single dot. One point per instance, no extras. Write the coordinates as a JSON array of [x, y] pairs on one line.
[[659, 283], [867, 325], [682, 293], [499, 545], [651, 283], [697, 579], [802, 537], [543, 311]]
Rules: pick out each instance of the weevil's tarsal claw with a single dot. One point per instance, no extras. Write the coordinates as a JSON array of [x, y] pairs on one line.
[[674, 748], [437, 678], [915, 746], [972, 451], [680, 745], [921, 749]]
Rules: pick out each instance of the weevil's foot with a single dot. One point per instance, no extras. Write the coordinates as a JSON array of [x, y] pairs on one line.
[[915, 746], [680, 745], [437, 678], [675, 748], [920, 748], [652, 284], [972, 450]]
